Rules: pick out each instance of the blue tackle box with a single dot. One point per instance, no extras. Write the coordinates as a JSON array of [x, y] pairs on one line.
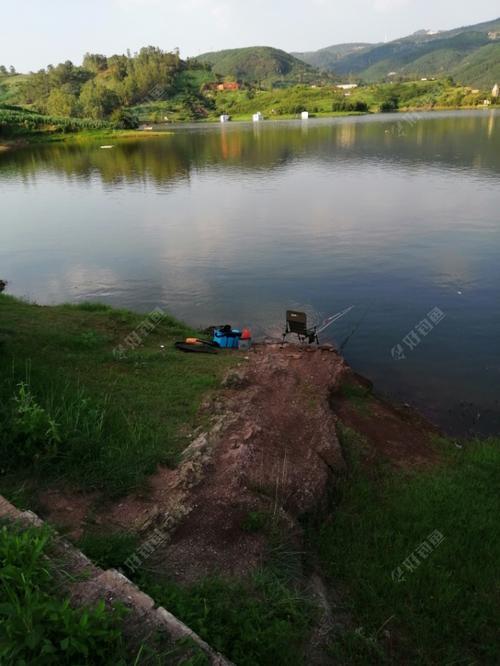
[[227, 339]]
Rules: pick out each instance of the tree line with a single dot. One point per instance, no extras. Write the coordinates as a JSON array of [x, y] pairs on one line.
[[101, 87], [7, 71]]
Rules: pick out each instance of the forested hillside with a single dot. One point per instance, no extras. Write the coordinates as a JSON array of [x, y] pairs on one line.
[[101, 87], [261, 65]]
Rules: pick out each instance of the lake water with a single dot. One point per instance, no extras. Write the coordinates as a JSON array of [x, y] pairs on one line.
[[396, 215]]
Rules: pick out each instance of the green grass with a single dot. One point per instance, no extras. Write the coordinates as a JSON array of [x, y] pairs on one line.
[[447, 609], [257, 621], [358, 396], [39, 627], [108, 550], [72, 413]]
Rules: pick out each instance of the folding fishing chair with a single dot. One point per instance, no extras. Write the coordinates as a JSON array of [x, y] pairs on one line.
[[296, 322]]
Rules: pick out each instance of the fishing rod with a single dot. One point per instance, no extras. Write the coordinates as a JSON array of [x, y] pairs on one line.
[[330, 320], [355, 329]]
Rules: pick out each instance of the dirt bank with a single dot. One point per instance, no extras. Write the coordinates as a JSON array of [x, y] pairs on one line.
[[272, 447]]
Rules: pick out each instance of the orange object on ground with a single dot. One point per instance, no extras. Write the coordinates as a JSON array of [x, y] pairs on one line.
[[246, 335], [192, 341]]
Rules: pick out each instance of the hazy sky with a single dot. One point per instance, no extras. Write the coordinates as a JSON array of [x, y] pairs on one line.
[[34, 33]]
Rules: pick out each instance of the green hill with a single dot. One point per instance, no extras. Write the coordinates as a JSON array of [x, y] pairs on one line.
[[470, 54], [261, 64]]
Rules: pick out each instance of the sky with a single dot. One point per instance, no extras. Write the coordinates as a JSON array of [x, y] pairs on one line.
[[34, 34]]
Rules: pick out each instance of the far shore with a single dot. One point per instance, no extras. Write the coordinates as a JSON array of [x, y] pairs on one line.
[[23, 140]]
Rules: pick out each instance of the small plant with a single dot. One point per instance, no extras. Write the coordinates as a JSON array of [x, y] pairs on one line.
[[255, 521], [35, 433], [89, 340]]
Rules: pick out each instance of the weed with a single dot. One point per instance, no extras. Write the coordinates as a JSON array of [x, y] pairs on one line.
[[35, 433]]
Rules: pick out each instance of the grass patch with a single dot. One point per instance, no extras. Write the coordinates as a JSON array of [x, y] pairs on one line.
[[72, 412], [352, 444], [108, 550], [446, 610], [257, 621], [358, 396], [37, 627]]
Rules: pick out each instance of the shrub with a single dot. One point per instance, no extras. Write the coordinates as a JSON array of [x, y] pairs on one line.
[[348, 105], [389, 105], [124, 119]]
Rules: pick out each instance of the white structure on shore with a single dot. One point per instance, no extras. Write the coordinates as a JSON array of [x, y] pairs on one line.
[[224, 118], [347, 86], [496, 90], [257, 117], [305, 115]]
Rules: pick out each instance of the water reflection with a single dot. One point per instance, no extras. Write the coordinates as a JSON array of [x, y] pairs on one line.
[[464, 141], [238, 222]]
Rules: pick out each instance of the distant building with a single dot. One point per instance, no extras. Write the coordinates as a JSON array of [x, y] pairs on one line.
[[494, 35], [305, 115], [496, 90], [222, 87], [228, 85], [347, 86], [224, 118], [257, 117]]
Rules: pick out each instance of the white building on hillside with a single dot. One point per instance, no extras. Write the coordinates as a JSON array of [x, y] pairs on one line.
[[496, 90], [347, 86]]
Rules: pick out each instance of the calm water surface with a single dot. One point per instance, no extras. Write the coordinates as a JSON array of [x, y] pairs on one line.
[[236, 223]]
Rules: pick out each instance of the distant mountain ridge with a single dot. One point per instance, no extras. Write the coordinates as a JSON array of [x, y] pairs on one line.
[[471, 54], [328, 57]]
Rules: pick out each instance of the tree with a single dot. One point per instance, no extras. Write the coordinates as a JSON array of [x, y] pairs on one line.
[[95, 62], [97, 100], [3, 70], [62, 103], [124, 119]]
